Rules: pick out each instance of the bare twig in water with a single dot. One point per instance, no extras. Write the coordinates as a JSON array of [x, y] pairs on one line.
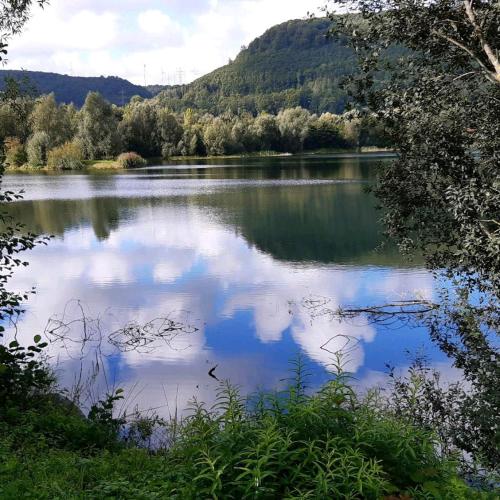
[[133, 336], [136, 337], [394, 315], [212, 374], [84, 339], [397, 313]]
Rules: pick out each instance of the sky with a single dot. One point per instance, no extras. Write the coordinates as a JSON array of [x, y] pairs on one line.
[[146, 41]]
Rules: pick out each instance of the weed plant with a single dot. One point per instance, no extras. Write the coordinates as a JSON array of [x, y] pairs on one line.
[[290, 444]]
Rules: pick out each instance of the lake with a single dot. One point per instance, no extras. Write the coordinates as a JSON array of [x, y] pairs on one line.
[[234, 264]]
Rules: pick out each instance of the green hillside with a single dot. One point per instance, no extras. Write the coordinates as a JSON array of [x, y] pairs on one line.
[[74, 89], [292, 64]]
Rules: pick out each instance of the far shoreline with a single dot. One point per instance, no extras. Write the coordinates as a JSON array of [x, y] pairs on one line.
[[113, 166]]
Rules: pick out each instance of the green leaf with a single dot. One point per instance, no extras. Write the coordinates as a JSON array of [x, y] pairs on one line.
[[432, 487], [37, 338]]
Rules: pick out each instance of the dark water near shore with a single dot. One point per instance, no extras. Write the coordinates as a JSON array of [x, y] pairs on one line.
[[235, 263]]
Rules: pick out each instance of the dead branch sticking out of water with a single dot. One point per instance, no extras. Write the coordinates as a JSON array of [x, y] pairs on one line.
[[394, 313], [77, 327], [136, 337]]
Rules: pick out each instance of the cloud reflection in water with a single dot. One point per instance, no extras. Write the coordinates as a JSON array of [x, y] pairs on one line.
[[232, 251], [181, 260]]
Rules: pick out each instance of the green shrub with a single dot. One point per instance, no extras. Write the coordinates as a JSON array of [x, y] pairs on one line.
[[328, 445], [22, 377], [130, 160], [15, 154], [69, 156], [331, 444], [37, 149]]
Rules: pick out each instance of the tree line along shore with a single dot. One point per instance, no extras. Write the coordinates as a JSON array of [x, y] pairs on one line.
[[39, 133]]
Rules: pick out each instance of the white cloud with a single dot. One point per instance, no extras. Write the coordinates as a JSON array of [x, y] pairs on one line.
[[170, 269], [83, 31], [173, 39], [154, 22]]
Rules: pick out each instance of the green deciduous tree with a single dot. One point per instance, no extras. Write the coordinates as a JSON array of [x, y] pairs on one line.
[[325, 131], [169, 132], [8, 122], [441, 196], [293, 125], [37, 149], [98, 128], [53, 120], [441, 110], [14, 152], [18, 97], [139, 128], [266, 132], [217, 136]]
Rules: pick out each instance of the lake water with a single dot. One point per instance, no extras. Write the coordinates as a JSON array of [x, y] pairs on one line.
[[232, 263]]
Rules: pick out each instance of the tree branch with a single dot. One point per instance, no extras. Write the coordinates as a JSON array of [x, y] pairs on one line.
[[490, 75], [486, 47]]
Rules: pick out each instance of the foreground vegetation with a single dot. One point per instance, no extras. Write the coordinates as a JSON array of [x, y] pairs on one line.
[[332, 444]]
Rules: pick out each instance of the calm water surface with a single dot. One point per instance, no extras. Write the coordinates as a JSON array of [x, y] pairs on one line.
[[249, 256]]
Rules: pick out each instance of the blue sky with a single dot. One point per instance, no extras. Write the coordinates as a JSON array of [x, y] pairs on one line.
[[172, 40]]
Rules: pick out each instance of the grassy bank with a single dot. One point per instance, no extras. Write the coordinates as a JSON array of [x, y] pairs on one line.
[[102, 165], [86, 165], [271, 154], [333, 444], [115, 165]]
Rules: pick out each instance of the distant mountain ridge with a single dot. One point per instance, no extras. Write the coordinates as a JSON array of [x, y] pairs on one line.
[[292, 64], [74, 89]]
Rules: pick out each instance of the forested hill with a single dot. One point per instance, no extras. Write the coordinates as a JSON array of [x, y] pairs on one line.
[[74, 89], [291, 64]]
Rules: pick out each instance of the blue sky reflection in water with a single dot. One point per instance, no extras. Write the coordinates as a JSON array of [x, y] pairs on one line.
[[248, 252]]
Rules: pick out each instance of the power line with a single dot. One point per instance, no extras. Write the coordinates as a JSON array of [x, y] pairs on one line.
[[180, 75]]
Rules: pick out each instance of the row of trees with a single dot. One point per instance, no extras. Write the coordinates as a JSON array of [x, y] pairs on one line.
[[38, 131]]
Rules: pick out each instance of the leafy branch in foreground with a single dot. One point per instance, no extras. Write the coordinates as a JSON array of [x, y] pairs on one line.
[[13, 242], [13, 16], [441, 108], [441, 196]]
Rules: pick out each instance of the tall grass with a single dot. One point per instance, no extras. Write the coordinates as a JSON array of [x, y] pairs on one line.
[[285, 445]]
